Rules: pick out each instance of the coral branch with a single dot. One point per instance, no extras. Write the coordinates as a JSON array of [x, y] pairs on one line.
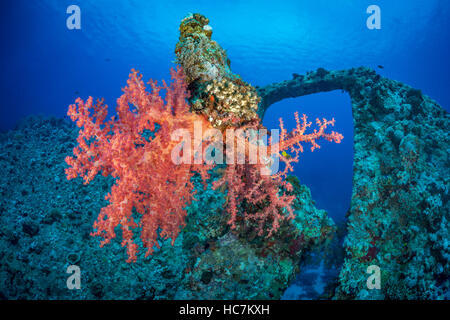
[[266, 203]]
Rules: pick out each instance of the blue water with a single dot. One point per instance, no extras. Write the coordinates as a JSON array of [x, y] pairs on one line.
[[45, 66]]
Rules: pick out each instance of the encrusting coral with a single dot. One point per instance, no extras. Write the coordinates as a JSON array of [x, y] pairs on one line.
[[217, 92], [400, 210], [229, 101]]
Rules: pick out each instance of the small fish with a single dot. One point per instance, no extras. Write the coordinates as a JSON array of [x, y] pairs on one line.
[[286, 155], [77, 92], [380, 66], [107, 59], [211, 98]]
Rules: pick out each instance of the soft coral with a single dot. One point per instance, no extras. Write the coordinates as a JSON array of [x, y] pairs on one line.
[[267, 203], [147, 178]]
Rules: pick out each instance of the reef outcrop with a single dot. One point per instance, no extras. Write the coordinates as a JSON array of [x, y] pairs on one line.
[[399, 215], [222, 96]]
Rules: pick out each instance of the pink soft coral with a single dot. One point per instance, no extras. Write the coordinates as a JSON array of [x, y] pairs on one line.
[[147, 178], [245, 182]]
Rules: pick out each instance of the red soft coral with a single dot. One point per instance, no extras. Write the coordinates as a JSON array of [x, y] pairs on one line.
[[135, 147]]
